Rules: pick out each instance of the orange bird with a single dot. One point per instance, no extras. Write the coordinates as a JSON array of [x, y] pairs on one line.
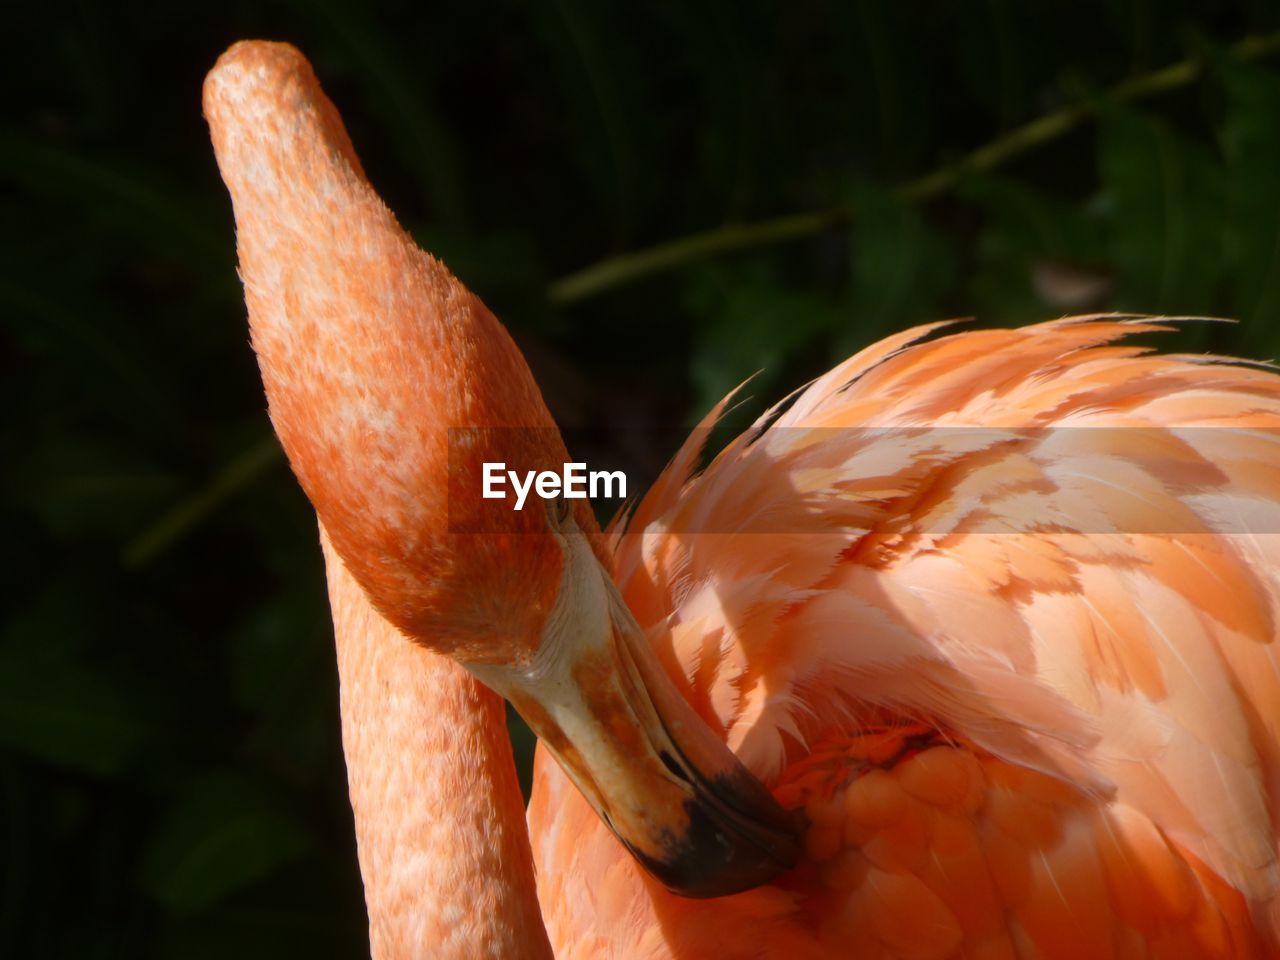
[[967, 650]]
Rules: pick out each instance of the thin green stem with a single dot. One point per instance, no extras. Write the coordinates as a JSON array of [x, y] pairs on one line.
[[188, 513], [617, 271], [622, 269]]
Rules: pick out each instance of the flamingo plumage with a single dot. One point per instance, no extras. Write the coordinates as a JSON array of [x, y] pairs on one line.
[[995, 611]]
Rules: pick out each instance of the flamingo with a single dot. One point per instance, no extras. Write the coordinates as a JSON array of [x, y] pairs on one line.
[[966, 649]]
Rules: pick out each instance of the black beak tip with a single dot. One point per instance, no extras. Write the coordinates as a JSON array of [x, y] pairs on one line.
[[716, 858]]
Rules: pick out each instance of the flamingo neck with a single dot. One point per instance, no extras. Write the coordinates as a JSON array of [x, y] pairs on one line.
[[443, 846]]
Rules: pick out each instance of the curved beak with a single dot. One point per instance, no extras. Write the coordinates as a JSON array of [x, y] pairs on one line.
[[664, 783]]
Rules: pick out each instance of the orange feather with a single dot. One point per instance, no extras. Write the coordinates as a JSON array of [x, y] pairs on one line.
[[1060, 581]]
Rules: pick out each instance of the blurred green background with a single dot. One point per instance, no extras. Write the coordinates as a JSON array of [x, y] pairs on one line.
[[813, 177]]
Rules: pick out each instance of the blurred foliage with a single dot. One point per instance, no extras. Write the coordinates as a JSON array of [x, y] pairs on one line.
[[171, 778]]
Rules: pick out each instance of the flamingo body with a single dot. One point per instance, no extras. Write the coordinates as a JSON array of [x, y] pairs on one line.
[[1028, 698]]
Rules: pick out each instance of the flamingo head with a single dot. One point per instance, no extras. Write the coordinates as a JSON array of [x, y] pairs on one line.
[[390, 386]]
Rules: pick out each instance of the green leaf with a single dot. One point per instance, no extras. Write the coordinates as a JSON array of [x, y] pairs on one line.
[[1167, 236], [88, 486], [1023, 230], [749, 324], [1033, 224], [135, 199], [306, 909], [885, 104], [282, 676], [589, 52], [1251, 142], [721, 44], [996, 47], [221, 833], [62, 712], [901, 267], [523, 742]]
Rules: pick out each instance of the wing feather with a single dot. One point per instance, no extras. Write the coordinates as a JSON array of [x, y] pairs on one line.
[[1061, 547]]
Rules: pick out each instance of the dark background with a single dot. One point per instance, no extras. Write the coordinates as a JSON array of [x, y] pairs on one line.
[[171, 782]]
